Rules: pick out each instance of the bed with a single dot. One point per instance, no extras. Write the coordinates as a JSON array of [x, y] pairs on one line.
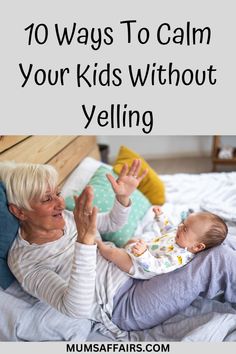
[[24, 318]]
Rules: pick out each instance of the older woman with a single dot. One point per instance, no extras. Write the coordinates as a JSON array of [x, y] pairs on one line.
[[55, 258]]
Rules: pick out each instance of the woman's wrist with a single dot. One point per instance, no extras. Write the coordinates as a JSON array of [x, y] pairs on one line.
[[123, 200], [85, 242], [87, 239]]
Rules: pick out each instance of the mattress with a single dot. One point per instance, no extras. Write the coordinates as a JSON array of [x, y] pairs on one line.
[[24, 318]]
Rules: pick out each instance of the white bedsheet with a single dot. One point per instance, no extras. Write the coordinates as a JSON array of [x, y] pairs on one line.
[[204, 320]]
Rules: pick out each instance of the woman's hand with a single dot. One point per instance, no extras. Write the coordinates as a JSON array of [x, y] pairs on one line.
[[127, 181], [85, 217]]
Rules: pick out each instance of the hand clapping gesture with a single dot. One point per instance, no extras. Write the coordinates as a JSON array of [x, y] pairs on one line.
[[127, 181], [85, 216]]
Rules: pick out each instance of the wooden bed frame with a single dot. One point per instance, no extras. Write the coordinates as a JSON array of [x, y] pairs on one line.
[[63, 152]]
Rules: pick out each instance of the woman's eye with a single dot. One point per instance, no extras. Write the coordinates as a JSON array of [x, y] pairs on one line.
[[47, 199], [58, 194]]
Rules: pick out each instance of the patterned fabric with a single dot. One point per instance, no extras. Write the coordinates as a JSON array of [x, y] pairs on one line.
[[163, 255]]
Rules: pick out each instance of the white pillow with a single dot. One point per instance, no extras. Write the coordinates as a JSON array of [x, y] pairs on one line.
[[81, 176]]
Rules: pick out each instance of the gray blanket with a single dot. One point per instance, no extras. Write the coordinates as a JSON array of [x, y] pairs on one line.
[[24, 318]]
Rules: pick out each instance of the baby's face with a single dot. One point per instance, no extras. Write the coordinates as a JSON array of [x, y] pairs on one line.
[[189, 232]]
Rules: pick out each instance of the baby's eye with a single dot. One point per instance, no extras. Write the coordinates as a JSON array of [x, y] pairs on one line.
[[184, 227]]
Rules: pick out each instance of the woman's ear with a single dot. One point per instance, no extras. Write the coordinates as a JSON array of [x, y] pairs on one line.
[[15, 210]]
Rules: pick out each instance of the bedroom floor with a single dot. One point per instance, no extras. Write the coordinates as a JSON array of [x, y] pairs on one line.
[[186, 165]]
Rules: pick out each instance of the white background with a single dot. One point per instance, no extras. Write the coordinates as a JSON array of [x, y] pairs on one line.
[[200, 110]]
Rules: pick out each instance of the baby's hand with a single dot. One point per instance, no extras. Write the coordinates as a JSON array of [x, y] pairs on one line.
[[157, 210], [139, 248], [99, 243]]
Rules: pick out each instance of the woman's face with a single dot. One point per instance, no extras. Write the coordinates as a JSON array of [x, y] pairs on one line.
[[47, 213]]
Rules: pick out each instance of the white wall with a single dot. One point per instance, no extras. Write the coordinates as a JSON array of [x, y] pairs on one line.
[[164, 146], [160, 146]]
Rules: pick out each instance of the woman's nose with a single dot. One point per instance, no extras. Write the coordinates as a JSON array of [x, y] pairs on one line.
[[59, 201]]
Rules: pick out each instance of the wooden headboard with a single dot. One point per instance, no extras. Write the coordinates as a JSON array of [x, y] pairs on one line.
[[63, 152]]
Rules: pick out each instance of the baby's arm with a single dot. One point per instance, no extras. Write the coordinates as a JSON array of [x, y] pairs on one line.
[[139, 248], [162, 220], [118, 256]]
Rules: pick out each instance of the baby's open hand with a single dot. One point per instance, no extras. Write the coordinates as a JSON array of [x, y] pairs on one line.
[[157, 210], [139, 248]]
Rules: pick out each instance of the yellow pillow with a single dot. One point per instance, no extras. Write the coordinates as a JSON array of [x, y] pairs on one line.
[[151, 186]]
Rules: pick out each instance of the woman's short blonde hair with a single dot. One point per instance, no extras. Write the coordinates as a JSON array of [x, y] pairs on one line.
[[25, 182]]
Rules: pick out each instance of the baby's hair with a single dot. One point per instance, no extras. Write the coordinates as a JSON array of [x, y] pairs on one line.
[[217, 231]]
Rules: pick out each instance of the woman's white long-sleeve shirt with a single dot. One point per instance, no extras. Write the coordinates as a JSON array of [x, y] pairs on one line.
[[71, 277]]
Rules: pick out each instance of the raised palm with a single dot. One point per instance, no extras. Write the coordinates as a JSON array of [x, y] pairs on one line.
[[85, 216], [128, 179]]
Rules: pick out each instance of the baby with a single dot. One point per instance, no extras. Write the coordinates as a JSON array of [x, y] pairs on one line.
[[175, 246]]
